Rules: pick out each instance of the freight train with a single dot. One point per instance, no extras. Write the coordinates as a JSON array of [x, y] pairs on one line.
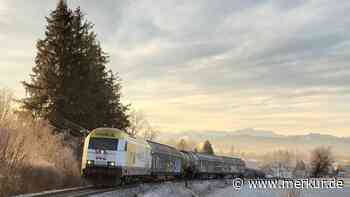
[[111, 156]]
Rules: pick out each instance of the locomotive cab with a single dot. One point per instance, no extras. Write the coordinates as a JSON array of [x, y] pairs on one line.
[[104, 152], [111, 153]]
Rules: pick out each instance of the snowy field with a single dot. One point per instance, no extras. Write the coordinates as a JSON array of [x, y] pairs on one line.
[[245, 191], [220, 189]]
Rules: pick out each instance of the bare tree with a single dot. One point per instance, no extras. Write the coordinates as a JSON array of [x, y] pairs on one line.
[[300, 169], [140, 126], [11, 150], [278, 163], [150, 133], [6, 98], [138, 122], [321, 161]]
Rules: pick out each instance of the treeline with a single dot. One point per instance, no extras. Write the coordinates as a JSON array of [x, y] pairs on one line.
[[206, 147], [319, 162]]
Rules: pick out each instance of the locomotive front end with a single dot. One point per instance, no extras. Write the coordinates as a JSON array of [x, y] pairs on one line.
[[104, 155]]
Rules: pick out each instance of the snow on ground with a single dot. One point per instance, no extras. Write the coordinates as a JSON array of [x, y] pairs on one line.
[[215, 188], [170, 189], [245, 191]]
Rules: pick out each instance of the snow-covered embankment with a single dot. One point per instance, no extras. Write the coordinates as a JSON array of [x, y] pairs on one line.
[[171, 189]]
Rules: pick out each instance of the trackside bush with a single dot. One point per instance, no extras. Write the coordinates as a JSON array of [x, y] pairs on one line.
[[33, 158]]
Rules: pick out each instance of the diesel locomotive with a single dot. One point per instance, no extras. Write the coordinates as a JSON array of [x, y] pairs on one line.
[[112, 156]]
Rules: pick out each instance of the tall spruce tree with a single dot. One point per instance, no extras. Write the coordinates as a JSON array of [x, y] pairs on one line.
[[70, 80]]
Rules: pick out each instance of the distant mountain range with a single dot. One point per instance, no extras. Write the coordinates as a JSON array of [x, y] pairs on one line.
[[257, 133], [261, 141]]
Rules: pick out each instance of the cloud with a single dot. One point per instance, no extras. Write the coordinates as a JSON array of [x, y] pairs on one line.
[[267, 43], [231, 64]]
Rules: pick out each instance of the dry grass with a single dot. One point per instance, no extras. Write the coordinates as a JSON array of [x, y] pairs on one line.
[[32, 158], [11, 159]]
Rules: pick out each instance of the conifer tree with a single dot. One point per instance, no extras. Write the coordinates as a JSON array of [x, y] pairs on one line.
[[70, 80], [207, 148]]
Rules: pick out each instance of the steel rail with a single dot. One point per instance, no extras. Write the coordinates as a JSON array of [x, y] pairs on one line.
[[69, 192]]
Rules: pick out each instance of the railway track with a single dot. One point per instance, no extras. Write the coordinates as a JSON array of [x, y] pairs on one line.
[[91, 190], [70, 192]]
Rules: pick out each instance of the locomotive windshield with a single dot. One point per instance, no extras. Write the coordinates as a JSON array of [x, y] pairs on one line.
[[103, 144]]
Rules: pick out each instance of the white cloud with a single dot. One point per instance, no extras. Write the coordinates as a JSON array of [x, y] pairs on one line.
[[269, 64]]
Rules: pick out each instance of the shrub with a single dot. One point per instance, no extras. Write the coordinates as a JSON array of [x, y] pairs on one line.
[[33, 158], [322, 161]]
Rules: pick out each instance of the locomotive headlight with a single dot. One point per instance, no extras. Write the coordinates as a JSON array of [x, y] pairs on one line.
[[111, 163], [90, 162]]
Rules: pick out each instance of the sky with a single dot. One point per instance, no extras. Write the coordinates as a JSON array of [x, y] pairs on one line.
[[204, 65]]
